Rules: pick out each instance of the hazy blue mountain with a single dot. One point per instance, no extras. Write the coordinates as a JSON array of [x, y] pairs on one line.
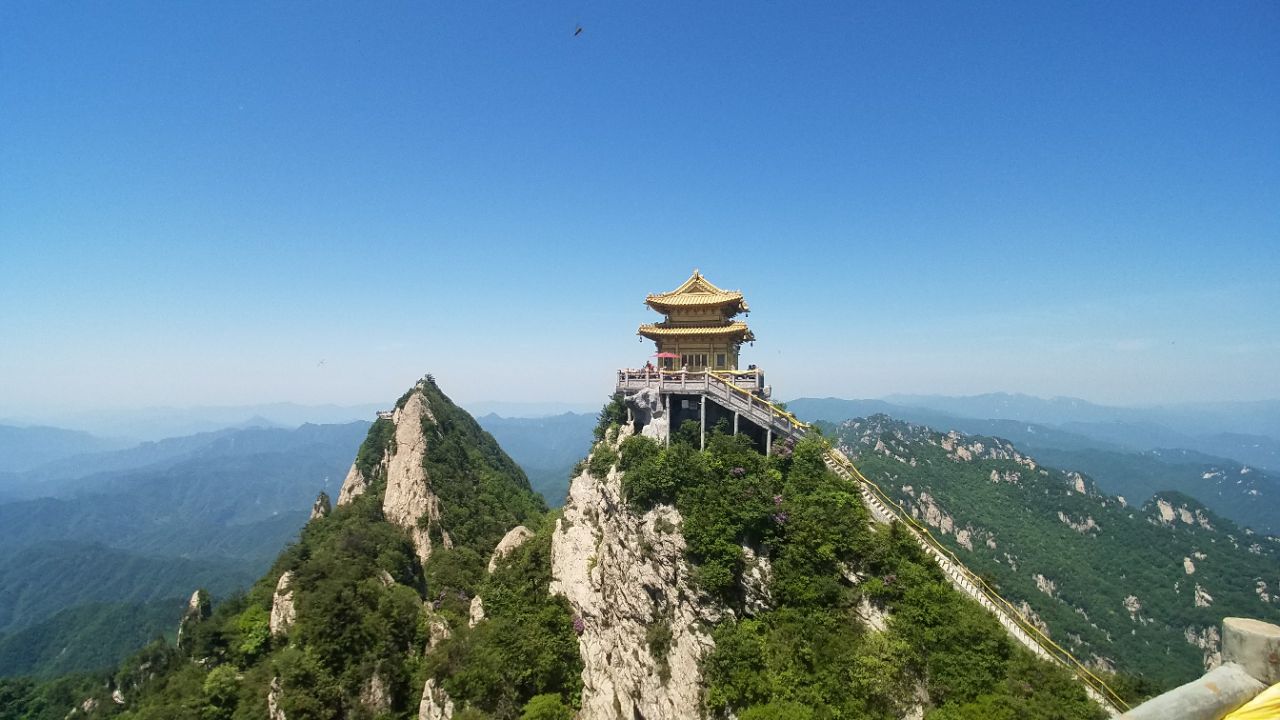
[[156, 423], [45, 479], [527, 410], [109, 552], [103, 470], [1191, 419], [238, 494], [546, 448], [23, 448]]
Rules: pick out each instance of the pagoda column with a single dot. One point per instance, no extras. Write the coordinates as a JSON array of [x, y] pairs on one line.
[[702, 422]]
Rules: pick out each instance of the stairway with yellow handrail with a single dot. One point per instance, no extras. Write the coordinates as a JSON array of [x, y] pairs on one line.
[[884, 509]]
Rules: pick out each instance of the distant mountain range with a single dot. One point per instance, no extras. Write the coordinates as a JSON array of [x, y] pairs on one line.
[[86, 536], [24, 448], [156, 423], [1134, 459], [546, 448]]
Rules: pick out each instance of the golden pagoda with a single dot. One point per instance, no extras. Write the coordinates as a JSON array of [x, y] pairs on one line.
[[699, 332]]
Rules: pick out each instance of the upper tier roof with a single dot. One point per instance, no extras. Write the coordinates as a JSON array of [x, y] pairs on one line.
[[697, 291], [729, 329]]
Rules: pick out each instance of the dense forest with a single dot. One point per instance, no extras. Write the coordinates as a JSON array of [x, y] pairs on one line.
[[1138, 589]]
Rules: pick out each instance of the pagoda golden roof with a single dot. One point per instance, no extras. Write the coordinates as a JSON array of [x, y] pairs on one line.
[[657, 330], [696, 291]]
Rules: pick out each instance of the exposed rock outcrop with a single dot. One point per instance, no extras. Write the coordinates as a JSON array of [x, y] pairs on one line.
[[409, 501], [199, 607], [1134, 606], [274, 693], [353, 487], [1209, 640], [514, 538], [320, 508], [436, 703], [646, 410], [376, 694], [437, 631], [1082, 526], [476, 614], [1045, 585], [624, 574], [1202, 597], [283, 610], [757, 574]]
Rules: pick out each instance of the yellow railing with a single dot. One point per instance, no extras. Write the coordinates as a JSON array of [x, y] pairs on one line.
[[1044, 641], [796, 422]]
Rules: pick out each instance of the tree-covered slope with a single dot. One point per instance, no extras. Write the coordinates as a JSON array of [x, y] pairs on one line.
[[1141, 589], [1248, 496], [854, 622], [92, 636], [36, 583], [359, 623]]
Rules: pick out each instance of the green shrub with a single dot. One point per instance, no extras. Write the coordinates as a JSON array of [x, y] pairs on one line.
[[546, 707], [657, 638], [613, 414], [636, 451], [602, 459]]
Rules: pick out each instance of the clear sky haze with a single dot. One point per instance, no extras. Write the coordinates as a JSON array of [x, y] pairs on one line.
[[233, 203]]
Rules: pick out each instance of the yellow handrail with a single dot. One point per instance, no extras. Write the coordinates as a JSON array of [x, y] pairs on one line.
[[1044, 641], [795, 421]]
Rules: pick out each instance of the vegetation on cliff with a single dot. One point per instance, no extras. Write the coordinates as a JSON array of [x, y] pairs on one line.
[[811, 652], [372, 623]]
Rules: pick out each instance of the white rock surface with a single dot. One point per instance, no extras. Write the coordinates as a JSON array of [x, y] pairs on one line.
[[437, 631], [320, 508], [477, 612], [353, 486], [514, 538], [274, 712], [283, 610], [376, 695], [1045, 585], [622, 574], [1208, 640], [408, 497], [436, 703]]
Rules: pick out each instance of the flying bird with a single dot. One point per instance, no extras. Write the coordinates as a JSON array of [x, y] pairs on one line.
[[578, 31]]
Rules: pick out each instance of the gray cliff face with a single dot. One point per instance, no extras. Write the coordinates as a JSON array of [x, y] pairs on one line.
[[627, 579]]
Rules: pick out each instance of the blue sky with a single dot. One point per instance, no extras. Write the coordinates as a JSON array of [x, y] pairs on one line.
[[200, 202]]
